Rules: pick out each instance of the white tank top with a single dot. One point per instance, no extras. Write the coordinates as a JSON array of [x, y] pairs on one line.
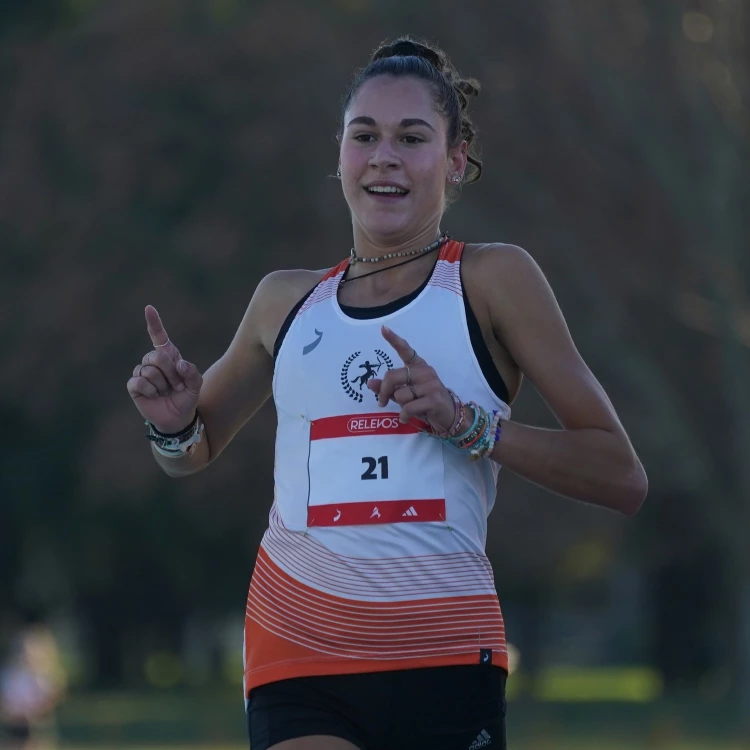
[[370, 513]]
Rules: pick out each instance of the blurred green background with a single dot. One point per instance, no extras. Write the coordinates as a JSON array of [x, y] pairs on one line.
[[172, 152]]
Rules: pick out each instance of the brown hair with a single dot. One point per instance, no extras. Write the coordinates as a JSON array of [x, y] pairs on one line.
[[407, 56]]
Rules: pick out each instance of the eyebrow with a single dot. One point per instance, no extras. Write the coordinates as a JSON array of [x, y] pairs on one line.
[[408, 122]]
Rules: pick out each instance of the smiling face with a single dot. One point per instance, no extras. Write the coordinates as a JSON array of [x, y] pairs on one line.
[[395, 160]]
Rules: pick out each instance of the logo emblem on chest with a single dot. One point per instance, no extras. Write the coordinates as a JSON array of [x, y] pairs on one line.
[[359, 368]]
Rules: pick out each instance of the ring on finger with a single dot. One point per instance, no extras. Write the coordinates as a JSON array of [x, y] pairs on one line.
[[140, 371], [159, 346], [408, 375], [413, 392], [412, 358]]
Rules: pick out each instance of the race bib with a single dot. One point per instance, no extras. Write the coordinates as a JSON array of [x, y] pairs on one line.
[[371, 468]]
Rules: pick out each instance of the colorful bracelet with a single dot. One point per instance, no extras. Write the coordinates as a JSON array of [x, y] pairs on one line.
[[485, 446], [474, 432], [480, 438], [471, 430], [477, 436], [458, 418]]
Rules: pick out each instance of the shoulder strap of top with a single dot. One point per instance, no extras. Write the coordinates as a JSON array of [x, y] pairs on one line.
[[447, 273], [451, 251], [326, 287], [336, 270]]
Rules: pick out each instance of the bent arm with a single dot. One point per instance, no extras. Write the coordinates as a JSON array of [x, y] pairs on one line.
[[234, 387], [591, 458]]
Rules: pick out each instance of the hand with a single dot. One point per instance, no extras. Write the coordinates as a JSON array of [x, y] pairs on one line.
[[164, 387], [415, 387]]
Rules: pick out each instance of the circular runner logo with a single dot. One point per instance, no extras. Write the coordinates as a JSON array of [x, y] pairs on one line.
[[363, 368]]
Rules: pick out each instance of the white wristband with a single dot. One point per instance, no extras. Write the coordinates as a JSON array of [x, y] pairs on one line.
[[177, 446]]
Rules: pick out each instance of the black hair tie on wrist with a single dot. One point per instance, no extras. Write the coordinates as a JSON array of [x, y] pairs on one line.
[[156, 432]]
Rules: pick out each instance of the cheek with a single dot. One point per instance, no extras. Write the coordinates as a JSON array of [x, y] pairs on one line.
[[352, 158], [431, 177], [431, 166]]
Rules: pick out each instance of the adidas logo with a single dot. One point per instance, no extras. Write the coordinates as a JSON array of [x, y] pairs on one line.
[[410, 512], [482, 740]]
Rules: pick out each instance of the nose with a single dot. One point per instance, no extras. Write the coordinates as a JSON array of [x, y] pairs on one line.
[[384, 156]]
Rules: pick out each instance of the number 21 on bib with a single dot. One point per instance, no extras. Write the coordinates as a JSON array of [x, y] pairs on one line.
[[371, 469]]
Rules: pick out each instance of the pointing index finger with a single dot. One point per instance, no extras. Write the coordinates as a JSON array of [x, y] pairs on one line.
[[403, 348], [155, 327]]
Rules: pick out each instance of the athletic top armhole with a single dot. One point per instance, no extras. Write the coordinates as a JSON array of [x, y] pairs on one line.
[[481, 352], [288, 322]]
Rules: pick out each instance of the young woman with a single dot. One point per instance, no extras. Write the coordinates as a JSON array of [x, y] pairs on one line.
[[372, 618]]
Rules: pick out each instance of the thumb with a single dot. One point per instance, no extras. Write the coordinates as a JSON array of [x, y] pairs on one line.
[[190, 375]]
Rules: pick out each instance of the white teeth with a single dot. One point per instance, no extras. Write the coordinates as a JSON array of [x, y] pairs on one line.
[[386, 189]]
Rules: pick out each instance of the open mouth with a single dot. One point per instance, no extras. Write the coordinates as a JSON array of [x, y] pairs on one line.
[[386, 192]]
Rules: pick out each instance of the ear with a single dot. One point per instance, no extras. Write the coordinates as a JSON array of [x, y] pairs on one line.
[[457, 160]]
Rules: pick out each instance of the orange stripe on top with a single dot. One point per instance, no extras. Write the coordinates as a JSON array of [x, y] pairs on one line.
[[293, 630], [335, 271], [451, 251]]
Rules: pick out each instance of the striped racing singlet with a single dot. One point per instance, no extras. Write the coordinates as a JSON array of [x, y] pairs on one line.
[[374, 558]]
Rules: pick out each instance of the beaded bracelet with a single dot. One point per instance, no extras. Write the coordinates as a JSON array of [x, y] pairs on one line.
[[482, 433], [458, 418], [489, 439], [495, 436], [480, 438], [474, 432], [472, 429]]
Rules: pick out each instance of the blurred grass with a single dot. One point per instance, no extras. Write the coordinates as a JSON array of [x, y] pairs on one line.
[[592, 744], [198, 719]]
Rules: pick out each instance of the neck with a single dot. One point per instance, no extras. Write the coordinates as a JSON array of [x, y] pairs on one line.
[[392, 266], [367, 245], [384, 283]]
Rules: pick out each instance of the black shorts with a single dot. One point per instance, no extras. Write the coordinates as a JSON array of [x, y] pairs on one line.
[[436, 708]]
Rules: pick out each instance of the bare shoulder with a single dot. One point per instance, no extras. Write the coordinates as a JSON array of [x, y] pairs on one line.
[[286, 283], [488, 259], [274, 298], [503, 276]]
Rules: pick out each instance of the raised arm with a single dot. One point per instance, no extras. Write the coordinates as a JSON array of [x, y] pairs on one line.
[[167, 390]]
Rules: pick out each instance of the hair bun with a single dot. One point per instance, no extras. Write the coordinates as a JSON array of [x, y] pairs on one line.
[[469, 87], [466, 89], [406, 47]]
